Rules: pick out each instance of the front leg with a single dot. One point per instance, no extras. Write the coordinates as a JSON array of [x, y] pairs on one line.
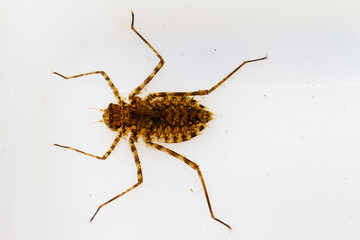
[[104, 157], [113, 88]]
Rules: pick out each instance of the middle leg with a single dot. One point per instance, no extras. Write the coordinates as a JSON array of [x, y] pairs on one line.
[[139, 176], [137, 90]]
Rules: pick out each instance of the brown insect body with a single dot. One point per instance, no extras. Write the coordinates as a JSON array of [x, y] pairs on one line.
[[165, 119], [170, 117]]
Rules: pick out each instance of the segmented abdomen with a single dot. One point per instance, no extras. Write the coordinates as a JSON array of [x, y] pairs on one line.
[[174, 119]]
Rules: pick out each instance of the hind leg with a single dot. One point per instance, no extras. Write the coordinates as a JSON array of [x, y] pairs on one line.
[[193, 166], [201, 92]]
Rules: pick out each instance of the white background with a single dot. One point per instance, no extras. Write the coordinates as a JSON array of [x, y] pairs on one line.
[[281, 158]]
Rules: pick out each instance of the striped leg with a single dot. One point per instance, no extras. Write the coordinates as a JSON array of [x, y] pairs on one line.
[[114, 89], [139, 176], [195, 167], [137, 90], [113, 145], [201, 92]]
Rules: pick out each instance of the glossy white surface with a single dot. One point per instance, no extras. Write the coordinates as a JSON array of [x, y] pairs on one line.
[[281, 159]]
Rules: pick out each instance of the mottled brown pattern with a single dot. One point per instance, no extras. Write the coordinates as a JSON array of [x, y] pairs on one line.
[[166, 119], [170, 117]]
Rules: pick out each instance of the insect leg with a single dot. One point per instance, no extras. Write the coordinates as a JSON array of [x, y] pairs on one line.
[[113, 145], [139, 176], [195, 167], [201, 92], [137, 90], [114, 89]]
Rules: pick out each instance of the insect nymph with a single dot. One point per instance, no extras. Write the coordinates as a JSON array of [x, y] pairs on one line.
[[169, 117]]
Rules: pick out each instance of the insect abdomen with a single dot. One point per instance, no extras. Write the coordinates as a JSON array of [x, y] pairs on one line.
[[176, 119]]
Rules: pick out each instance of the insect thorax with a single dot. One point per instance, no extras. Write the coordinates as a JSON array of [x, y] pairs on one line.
[[165, 119]]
